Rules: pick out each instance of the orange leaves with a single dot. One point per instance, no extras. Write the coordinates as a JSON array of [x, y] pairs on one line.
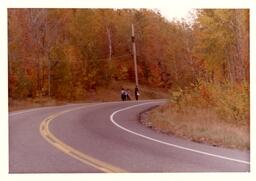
[[72, 48], [205, 93]]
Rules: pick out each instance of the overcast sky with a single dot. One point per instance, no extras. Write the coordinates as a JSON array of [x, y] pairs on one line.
[[178, 13]]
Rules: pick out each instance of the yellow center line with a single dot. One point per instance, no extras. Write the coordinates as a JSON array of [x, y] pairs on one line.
[[57, 143]]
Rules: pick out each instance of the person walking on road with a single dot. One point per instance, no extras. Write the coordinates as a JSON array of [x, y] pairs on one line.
[[137, 93], [123, 96]]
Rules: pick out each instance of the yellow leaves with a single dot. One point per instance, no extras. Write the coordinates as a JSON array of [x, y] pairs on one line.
[[176, 93], [217, 31], [229, 101]]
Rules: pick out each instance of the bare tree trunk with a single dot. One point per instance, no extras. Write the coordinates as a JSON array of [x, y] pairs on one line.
[[238, 46]]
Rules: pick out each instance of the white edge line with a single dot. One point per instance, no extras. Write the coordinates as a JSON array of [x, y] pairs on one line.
[[165, 143]]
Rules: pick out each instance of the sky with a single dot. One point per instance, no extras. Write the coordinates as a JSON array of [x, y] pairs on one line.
[[178, 13]]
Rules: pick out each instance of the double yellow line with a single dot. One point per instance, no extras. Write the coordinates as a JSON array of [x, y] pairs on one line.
[[86, 159]]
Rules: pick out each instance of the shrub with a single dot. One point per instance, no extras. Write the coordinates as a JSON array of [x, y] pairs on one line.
[[230, 101]]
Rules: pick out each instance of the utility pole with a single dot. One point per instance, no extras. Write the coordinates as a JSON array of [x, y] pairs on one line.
[[47, 56], [108, 74], [109, 43], [134, 57]]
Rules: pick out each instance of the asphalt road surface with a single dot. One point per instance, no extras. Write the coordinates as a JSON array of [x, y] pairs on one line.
[[107, 137]]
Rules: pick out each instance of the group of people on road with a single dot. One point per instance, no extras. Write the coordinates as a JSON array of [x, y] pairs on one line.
[[126, 94]]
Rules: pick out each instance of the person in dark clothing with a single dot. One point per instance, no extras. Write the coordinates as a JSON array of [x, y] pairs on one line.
[[137, 93], [123, 96]]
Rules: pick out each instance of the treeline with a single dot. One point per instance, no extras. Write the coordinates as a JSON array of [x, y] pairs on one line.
[[65, 53]]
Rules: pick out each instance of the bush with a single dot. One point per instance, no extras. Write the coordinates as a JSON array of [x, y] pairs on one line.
[[230, 101]]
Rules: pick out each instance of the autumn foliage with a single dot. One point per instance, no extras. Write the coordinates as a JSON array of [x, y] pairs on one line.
[[70, 54], [66, 53]]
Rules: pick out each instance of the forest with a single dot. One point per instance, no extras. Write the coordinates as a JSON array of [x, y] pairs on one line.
[[66, 53], [51, 50]]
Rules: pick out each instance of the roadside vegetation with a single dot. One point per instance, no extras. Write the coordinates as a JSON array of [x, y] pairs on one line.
[[56, 56], [102, 94], [215, 107], [212, 114]]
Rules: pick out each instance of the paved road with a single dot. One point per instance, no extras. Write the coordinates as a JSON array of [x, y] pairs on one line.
[[107, 137]]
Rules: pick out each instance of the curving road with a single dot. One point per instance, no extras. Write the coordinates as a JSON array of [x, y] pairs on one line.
[[107, 137]]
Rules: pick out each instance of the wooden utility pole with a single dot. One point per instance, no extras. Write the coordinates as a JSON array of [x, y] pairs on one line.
[[134, 57], [109, 43], [47, 55]]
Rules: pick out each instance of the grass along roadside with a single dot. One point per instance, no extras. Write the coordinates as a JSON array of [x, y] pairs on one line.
[[199, 125], [213, 113]]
